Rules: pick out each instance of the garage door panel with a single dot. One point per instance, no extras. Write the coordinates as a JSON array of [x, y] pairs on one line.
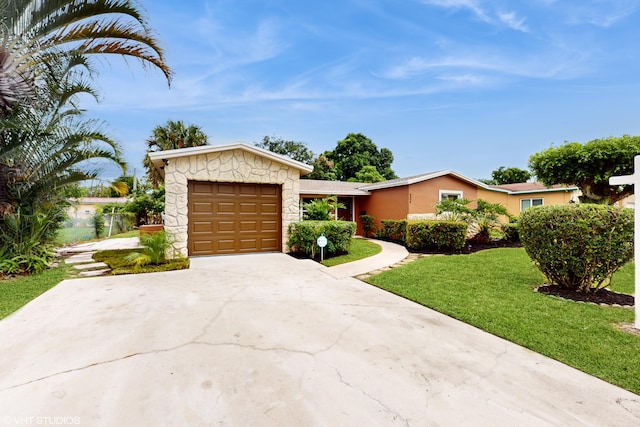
[[226, 226], [222, 189], [269, 208], [251, 190], [202, 207], [202, 227], [233, 218], [247, 207], [269, 226], [249, 226]]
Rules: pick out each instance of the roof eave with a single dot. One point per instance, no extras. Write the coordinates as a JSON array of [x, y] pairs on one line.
[[158, 158]]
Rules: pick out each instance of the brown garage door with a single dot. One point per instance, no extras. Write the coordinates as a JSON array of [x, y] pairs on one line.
[[226, 218]]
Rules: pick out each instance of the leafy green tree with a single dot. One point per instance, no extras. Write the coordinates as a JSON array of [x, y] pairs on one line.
[[293, 149], [171, 136], [356, 151], [37, 33], [504, 175], [589, 167], [147, 205], [368, 174], [323, 169]]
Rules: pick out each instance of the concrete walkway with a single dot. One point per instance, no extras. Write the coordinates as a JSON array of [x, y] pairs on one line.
[[101, 245], [269, 340], [391, 254]]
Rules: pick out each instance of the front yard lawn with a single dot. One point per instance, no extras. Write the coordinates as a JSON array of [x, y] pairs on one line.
[[494, 291], [16, 292], [358, 249]]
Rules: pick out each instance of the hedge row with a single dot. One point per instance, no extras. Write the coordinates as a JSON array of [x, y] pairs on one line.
[[303, 236], [578, 246], [425, 234], [393, 229], [440, 235]]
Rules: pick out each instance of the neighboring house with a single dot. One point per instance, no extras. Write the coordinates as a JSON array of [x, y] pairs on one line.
[[415, 197], [83, 209]]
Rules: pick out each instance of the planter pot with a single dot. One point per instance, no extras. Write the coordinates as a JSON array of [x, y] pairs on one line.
[[150, 228]]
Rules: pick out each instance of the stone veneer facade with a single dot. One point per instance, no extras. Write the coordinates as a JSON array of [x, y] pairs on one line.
[[226, 166]]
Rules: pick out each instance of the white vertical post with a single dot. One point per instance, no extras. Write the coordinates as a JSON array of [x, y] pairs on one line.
[[635, 181]]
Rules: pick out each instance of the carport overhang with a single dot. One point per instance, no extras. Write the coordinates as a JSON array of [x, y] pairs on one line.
[[237, 162]]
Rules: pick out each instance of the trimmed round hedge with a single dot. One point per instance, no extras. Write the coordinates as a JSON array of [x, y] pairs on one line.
[[578, 246]]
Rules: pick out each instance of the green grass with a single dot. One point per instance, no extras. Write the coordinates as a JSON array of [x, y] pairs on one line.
[[72, 235], [115, 259], [132, 233], [358, 249], [493, 290], [16, 292]]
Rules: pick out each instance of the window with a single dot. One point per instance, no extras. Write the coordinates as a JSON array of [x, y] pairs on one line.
[[526, 203], [450, 195]]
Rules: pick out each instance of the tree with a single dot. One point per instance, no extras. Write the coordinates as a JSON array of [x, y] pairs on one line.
[[171, 136], [356, 151], [589, 167], [323, 169], [45, 144], [368, 174], [504, 175], [36, 33], [44, 149], [293, 149]]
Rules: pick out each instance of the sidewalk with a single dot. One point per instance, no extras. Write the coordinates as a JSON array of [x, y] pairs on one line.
[[113, 243], [391, 254]]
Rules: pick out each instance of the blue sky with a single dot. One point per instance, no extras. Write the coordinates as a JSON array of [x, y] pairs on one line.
[[466, 85]]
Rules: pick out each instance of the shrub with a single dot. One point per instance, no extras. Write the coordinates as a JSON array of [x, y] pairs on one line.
[[393, 229], [98, 222], [367, 224], [322, 209], [155, 246], [510, 231], [303, 236], [435, 234], [578, 246]]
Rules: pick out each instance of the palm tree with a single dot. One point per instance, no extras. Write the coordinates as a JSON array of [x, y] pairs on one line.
[[173, 135], [33, 33], [45, 149]]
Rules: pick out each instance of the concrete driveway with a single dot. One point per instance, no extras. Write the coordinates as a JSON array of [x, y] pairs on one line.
[[268, 340]]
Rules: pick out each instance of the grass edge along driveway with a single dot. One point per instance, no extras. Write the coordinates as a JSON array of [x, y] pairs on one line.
[[494, 290]]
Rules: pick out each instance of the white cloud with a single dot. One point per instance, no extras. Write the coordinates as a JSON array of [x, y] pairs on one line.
[[558, 64], [513, 21], [472, 5], [510, 19]]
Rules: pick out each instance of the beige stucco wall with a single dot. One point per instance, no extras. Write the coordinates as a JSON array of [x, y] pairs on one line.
[[226, 166], [512, 201]]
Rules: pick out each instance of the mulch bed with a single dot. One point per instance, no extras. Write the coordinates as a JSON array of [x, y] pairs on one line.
[[469, 248], [603, 296]]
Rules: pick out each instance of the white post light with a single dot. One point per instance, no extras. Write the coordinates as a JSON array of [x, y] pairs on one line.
[[635, 181]]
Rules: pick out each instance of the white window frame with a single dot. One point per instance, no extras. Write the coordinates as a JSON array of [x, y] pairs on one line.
[[530, 200], [458, 193]]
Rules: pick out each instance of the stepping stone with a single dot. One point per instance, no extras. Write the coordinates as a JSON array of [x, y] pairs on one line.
[[92, 273], [81, 258], [92, 266]]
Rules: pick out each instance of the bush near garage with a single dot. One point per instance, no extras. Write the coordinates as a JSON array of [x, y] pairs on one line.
[[436, 234], [578, 246], [303, 236], [394, 230]]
